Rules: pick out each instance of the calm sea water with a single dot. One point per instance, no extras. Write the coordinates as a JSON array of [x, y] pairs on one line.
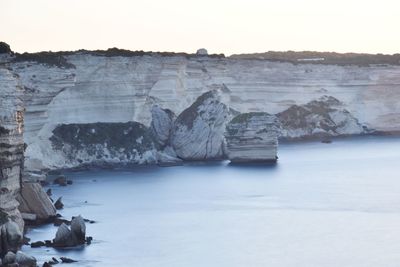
[[322, 205]]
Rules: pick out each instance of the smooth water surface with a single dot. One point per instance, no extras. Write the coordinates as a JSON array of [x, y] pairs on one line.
[[322, 205]]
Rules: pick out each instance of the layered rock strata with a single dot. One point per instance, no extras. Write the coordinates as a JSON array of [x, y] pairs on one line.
[[11, 156], [252, 137], [198, 130]]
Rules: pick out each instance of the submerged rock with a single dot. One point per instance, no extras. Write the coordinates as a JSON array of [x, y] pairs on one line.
[[252, 137], [60, 180], [199, 130], [67, 260]]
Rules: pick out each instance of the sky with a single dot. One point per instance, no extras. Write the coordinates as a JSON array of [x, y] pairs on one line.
[[220, 26]]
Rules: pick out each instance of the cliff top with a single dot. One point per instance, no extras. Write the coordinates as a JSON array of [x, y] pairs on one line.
[[303, 57]]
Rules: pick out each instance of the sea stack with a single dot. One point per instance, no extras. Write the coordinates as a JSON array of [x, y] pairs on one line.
[[252, 137]]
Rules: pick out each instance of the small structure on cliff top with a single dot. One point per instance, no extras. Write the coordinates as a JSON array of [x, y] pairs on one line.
[[252, 137]]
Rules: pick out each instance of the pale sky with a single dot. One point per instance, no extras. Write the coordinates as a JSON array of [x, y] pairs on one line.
[[220, 26]]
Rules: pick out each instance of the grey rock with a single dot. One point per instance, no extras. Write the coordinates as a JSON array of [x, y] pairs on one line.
[[11, 236], [64, 237], [9, 258], [323, 117], [24, 260], [162, 124], [78, 229], [33, 199], [29, 216], [58, 204], [252, 137], [199, 130]]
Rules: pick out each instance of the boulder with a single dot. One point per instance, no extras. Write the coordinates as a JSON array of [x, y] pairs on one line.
[[162, 123], [34, 200], [67, 260], [64, 237], [11, 236], [252, 137], [9, 258], [199, 130], [78, 229], [24, 260], [5, 48]]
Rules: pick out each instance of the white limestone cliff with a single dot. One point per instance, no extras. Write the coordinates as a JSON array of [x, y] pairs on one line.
[[112, 87]]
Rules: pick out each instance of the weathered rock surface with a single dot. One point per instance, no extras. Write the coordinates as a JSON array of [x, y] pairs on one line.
[[10, 237], [117, 86], [162, 123], [252, 137], [9, 258], [78, 229], [11, 144], [318, 118], [102, 144], [66, 237], [198, 130], [33, 199], [24, 260]]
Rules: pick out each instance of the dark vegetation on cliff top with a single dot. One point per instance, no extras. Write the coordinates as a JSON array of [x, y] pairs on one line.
[[329, 58], [311, 57]]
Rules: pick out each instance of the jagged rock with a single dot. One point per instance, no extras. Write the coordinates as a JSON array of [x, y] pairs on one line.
[[64, 237], [11, 236], [319, 118], [58, 204], [78, 229], [252, 137], [24, 260], [9, 258], [34, 200], [162, 123], [199, 129]]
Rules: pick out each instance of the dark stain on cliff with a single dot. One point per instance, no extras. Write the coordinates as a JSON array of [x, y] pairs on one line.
[[95, 138]]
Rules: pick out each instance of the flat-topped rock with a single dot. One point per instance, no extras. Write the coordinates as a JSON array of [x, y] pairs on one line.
[[252, 137]]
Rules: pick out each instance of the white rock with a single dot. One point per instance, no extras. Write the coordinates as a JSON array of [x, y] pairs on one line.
[[198, 131]]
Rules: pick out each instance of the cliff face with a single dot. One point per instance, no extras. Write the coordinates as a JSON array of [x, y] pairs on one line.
[[11, 156], [85, 88]]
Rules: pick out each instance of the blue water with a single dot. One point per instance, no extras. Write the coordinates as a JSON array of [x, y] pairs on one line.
[[322, 205]]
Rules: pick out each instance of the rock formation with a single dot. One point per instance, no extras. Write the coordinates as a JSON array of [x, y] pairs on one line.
[[66, 237], [318, 118], [198, 130], [252, 137], [162, 123], [34, 200], [11, 156]]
